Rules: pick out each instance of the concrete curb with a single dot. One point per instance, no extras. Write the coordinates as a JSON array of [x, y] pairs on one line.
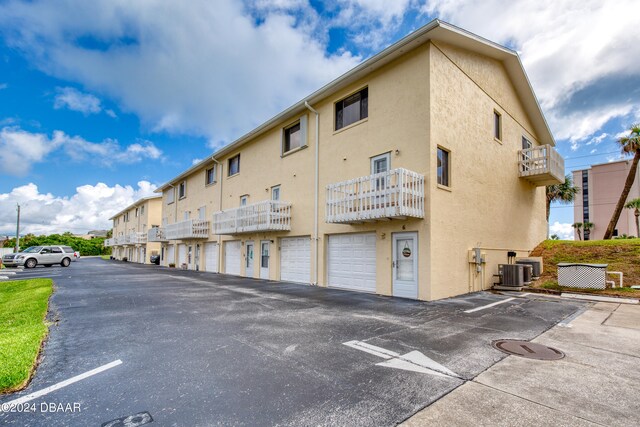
[[600, 298]]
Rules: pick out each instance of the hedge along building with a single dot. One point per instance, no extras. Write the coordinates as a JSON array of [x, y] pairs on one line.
[[130, 228], [386, 180]]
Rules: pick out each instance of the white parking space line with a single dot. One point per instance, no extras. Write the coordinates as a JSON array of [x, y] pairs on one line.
[[371, 349], [493, 304], [64, 383]]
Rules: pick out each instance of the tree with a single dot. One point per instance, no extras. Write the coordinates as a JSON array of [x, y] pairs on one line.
[[578, 227], [587, 226], [629, 145], [555, 237], [564, 192], [635, 205]]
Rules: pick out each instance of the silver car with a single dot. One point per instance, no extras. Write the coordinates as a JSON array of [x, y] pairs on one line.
[[43, 255]]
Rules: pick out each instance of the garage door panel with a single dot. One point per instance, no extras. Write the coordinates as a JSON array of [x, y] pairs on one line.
[[295, 259], [182, 255], [352, 261], [211, 256], [232, 257]]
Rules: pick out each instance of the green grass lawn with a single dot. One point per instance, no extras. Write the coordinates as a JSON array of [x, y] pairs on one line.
[[23, 308], [105, 256]]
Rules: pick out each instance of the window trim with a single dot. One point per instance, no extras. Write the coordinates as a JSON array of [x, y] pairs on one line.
[[497, 126], [449, 184], [206, 176], [229, 174], [335, 110], [373, 159], [172, 198], [184, 196], [246, 198], [276, 187]]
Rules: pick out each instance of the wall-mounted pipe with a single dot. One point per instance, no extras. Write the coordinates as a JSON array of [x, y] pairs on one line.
[[316, 238]]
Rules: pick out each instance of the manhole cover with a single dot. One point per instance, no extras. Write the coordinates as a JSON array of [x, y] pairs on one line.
[[528, 349]]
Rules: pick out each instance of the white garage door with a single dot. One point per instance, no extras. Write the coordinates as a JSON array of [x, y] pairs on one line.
[[211, 257], [295, 259], [352, 261], [170, 255], [182, 255], [232, 257]]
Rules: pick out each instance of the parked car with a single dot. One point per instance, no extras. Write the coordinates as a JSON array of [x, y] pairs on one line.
[[44, 255], [155, 259], [69, 250]]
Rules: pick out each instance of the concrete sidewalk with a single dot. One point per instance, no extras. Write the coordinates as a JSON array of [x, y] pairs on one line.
[[597, 383]]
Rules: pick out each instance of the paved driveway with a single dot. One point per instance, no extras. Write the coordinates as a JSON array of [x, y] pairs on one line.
[[201, 349]]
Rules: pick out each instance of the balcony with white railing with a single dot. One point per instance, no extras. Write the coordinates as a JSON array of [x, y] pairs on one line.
[[395, 194], [109, 242], [137, 238], [156, 234], [189, 229], [269, 215], [541, 165]]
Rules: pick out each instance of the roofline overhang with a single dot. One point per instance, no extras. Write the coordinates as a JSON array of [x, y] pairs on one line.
[[136, 203]]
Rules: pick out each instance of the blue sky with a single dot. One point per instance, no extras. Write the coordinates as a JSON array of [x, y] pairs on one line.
[[102, 101]]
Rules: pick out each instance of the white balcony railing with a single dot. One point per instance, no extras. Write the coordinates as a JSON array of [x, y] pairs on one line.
[[189, 229], [120, 240], [109, 242], [398, 193], [156, 234], [541, 165], [137, 238], [269, 215]]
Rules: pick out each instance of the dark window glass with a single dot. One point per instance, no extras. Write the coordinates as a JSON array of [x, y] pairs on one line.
[[497, 125], [182, 190], [443, 167], [56, 250], [292, 138], [234, 165], [210, 176], [352, 109]]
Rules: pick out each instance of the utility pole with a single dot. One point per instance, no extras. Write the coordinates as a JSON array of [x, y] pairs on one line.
[[18, 231]]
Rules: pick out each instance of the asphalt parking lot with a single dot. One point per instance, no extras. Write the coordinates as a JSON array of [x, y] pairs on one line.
[[200, 349]]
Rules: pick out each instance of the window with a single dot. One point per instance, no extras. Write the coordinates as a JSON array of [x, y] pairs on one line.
[[170, 195], [142, 210], [497, 125], [202, 213], [243, 200], [137, 213], [295, 135], [275, 193], [234, 165], [352, 109], [380, 164], [210, 176], [444, 173], [186, 215], [182, 190], [56, 250]]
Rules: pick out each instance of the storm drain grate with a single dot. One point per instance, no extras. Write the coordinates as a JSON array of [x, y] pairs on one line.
[[528, 349]]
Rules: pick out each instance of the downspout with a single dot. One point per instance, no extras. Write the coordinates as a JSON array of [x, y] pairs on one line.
[[175, 219], [315, 211], [220, 209]]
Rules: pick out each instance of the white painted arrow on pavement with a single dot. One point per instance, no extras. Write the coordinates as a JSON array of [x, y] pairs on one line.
[[413, 361]]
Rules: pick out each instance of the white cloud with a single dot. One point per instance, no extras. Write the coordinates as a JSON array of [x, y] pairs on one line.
[[89, 208], [206, 69], [75, 100], [20, 149], [195, 161], [563, 230], [567, 47]]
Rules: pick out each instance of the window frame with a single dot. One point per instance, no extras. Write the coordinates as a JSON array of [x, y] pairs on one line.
[[244, 198], [213, 175], [338, 107], [497, 126], [288, 128], [171, 196], [229, 174], [182, 190], [448, 176], [278, 191]]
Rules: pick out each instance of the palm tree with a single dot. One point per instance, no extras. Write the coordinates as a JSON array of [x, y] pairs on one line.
[[578, 227], [587, 226], [629, 145], [563, 193], [635, 205]]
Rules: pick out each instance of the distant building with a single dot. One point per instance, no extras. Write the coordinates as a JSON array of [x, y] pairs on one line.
[[601, 186]]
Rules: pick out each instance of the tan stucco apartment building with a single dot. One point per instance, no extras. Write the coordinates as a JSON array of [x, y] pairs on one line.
[[600, 189], [385, 180], [130, 230]]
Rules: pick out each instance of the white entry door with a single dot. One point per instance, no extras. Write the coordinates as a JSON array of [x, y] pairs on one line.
[[264, 259], [211, 257], [171, 255], [232, 257], [248, 266], [405, 265], [141, 256], [352, 261], [182, 255], [295, 259]]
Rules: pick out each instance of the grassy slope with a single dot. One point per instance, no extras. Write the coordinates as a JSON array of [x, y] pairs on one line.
[[23, 307], [621, 255]]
